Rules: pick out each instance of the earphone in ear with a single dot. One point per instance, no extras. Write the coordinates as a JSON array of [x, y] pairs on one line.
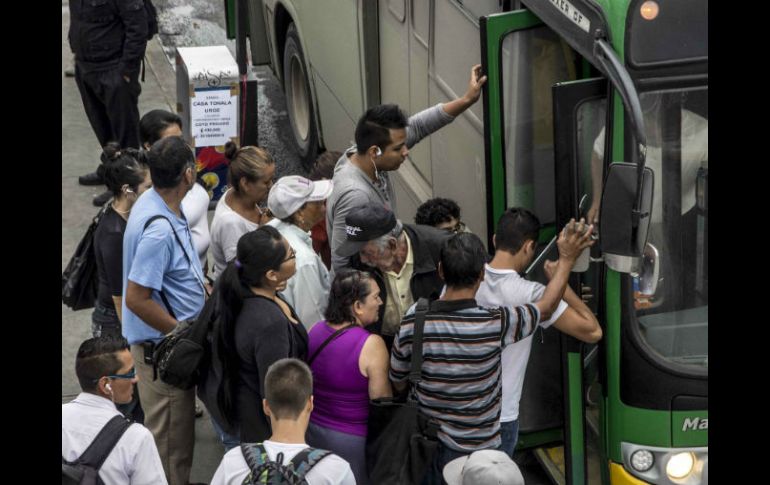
[[378, 152], [129, 191], [108, 386]]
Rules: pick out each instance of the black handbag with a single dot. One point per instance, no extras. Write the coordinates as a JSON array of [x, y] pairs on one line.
[[401, 440], [80, 279]]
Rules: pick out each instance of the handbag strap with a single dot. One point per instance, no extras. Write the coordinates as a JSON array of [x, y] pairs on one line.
[[415, 372], [327, 342], [187, 257]]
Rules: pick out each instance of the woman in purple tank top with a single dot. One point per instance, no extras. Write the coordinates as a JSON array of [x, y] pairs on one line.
[[349, 371]]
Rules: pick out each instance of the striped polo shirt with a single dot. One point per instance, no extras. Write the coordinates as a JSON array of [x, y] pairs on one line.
[[460, 385]]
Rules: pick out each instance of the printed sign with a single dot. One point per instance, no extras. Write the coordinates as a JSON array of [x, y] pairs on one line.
[[214, 116], [573, 14]]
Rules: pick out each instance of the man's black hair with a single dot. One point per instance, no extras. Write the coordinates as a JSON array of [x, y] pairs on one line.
[[437, 210], [462, 260], [96, 358], [288, 386], [168, 159], [373, 127], [515, 227], [155, 122]]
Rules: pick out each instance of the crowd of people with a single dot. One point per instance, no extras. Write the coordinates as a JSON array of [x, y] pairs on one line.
[[314, 299]]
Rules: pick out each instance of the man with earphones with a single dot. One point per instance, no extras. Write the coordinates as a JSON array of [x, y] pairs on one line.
[[105, 370], [383, 138]]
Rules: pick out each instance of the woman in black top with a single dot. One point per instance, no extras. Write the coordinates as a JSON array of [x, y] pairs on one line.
[[127, 178], [255, 328]]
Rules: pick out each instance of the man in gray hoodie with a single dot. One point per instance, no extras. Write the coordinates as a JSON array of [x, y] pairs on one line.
[[383, 139]]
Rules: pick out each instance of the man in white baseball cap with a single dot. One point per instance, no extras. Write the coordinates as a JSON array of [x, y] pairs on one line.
[[298, 204], [485, 467]]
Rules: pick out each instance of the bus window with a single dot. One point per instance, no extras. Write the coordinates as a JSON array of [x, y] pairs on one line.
[[674, 320], [533, 60]]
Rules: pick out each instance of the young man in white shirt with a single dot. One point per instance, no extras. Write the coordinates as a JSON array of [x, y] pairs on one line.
[[515, 242], [105, 370], [288, 403]]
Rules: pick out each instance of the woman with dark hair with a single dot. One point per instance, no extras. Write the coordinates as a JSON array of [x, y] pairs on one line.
[[153, 126], [250, 176], [127, 177], [349, 371], [255, 327]]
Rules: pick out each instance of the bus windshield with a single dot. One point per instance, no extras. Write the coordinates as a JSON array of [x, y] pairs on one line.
[[671, 290]]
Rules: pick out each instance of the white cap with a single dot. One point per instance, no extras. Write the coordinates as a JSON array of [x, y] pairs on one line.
[[485, 467], [290, 193]]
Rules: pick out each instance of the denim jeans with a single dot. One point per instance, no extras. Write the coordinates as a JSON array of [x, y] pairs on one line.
[[228, 440], [509, 433], [104, 322], [435, 473]]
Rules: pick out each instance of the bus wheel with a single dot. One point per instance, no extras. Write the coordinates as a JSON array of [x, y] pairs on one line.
[[298, 99]]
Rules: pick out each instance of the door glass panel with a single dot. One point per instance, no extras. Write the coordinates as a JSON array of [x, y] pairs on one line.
[[533, 60]]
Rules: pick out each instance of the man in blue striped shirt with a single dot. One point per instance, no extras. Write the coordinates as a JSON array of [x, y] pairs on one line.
[[462, 343]]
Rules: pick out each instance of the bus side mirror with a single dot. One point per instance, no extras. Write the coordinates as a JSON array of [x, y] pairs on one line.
[[621, 246]]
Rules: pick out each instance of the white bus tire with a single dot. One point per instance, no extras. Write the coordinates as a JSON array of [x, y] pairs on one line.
[[299, 102]]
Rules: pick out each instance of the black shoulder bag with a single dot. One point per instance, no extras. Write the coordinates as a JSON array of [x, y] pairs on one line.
[[80, 279], [401, 440]]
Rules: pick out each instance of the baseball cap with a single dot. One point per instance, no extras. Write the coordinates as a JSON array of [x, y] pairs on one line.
[[485, 467], [289, 193], [364, 224]]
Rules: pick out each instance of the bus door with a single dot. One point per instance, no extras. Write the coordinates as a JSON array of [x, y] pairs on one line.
[[523, 59], [580, 109]]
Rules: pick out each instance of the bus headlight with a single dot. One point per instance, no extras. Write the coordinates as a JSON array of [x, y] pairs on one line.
[[642, 460], [680, 465], [666, 466]]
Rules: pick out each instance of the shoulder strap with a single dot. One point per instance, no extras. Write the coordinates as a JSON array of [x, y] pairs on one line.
[[101, 447], [256, 457], [186, 256], [176, 236], [306, 459], [327, 342], [415, 372]]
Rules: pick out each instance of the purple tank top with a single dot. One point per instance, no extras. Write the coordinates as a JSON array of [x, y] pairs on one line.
[[340, 392]]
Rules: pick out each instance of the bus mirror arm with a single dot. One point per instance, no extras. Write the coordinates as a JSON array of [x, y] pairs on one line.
[[622, 82]]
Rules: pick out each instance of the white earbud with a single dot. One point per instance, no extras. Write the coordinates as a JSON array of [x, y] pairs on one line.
[[129, 191], [108, 386], [378, 152]]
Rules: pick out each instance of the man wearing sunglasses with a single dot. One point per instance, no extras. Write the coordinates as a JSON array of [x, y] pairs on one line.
[[105, 370]]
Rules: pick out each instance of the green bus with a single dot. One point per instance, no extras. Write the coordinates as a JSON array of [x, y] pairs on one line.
[[593, 108]]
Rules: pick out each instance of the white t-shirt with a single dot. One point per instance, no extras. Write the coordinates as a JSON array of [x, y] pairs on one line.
[[195, 206], [227, 227], [505, 287], [331, 470]]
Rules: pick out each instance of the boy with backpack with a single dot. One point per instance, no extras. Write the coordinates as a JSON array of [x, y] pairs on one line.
[[98, 444], [284, 458]]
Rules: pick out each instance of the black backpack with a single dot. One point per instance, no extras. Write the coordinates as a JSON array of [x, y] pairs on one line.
[[152, 19], [85, 470], [264, 471]]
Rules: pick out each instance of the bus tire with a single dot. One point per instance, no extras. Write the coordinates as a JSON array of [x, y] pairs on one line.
[[299, 102]]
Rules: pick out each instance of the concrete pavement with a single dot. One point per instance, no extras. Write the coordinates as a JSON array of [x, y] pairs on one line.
[[80, 155]]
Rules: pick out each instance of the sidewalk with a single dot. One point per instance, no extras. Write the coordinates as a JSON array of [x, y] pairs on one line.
[[80, 155]]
